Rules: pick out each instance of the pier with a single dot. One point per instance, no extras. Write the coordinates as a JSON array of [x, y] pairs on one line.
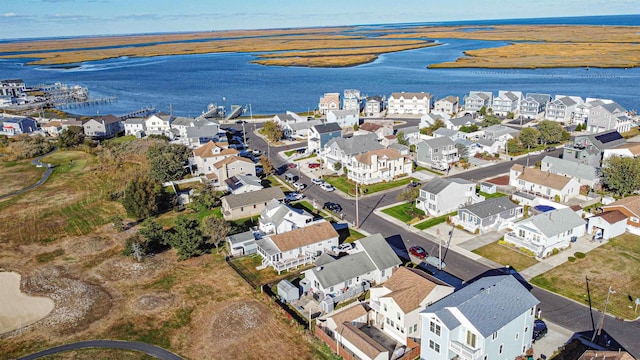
[[88, 102], [138, 113]]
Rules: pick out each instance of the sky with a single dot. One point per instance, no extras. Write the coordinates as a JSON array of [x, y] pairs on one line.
[[54, 18]]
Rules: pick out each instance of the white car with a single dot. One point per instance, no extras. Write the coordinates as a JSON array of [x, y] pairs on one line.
[[299, 186], [345, 247], [317, 181], [293, 196], [327, 187]]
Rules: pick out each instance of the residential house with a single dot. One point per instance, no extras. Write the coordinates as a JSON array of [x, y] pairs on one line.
[[374, 105], [134, 127], [379, 165], [232, 166], [371, 261], [459, 122], [159, 124], [489, 146], [278, 218], [320, 135], [398, 302], [12, 87], [414, 103], [585, 174], [533, 105], [630, 149], [630, 207], [430, 119], [330, 101], [242, 244], [543, 184], [67, 123], [299, 129], [610, 116], [297, 247], [451, 134], [411, 134], [103, 127], [200, 133], [341, 150], [249, 204], [17, 125], [344, 118], [449, 105], [5, 101], [467, 148], [491, 318], [205, 156], [581, 112], [476, 100], [285, 120], [441, 196], [388, 140], [607, 225], [506, 102], [589, 148], [500, 132], [352, 101], [438, 152], [240, 184], [488, 215], [52, 128], [381, 130], [562, 108], [402, 149], [549, 230], [606, 355]]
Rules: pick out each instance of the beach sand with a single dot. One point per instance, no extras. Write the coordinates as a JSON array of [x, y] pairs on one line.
[[19, 309]]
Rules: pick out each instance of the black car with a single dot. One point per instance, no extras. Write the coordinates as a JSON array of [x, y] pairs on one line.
[[539, 330], [413, 184], [333, 207]]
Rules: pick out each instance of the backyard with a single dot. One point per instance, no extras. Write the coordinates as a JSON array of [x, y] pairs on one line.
[[615, 264], [349, 187], [505, 255]]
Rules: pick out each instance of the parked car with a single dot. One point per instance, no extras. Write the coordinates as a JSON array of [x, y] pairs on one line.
[[539, 329], [413, 184], [418, 251], [317, 181], [257, 152], [550, 149], [327, 187], [299, 186], [291, 166], [293, 196], [345, 247], [314, 165], [333, 207], [240, 122]]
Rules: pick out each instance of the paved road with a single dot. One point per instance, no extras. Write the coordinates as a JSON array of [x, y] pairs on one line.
[[148, 349], [45, 176], [560, 310]]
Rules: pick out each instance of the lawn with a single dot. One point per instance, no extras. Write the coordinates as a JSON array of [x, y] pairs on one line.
[[488, 196], [290, 152], [248, 265], [17, 175], [349, 187], [353, 236], [505, 255], [615, 264], [434, 221], [407, 212]]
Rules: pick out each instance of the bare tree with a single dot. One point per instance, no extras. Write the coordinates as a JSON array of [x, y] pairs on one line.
[[217, 229]]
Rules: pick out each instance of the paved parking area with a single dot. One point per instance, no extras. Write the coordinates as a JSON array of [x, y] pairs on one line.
[[556, 337]]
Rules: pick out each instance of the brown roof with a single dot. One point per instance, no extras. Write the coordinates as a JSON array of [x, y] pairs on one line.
[[390, 153], [631, 203], [211, 176], [228, 160], [370, 127], [390, 137], [206, 150], [347, 315], [362, 341], [500, 180], [544, 178], [633, 147], [517, 167], [304, 236], [53, 123], [408, 289], [612, 217], [605, 355], [575, 207]]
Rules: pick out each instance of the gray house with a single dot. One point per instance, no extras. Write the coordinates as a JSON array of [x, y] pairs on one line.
[[242, 243], [319, 135], [533, 105], [477, 99], [342, 150], [437, 152], [588, 149], [450, 133], [488, 215], [585, 174], [248, 204], [16, 126], [103, 127], [443, 195], [610, 116], [374, 105]]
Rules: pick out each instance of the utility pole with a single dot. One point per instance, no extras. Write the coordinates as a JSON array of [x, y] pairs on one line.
[[604, 314], [357, 209], [593, 324], [439, 250]]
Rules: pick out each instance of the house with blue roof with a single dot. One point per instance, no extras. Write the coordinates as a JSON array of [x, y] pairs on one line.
[[491, 318], [15, 126]]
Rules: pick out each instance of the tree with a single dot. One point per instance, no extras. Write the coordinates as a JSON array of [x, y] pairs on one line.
[[579, 127], [621, 174], [408, 194], [337, 166], [143, 198], [401, 139], [207, 196], [71, 136], [148, 240], [463, 151], [167, 161], [430, 129], [514, 146], [490, 120], [469, 128], [186, 237], [483, 111], [216, 229], [510, 115], [550, 132], [267, 165], [355, 127], [272, 131], [529, 137]]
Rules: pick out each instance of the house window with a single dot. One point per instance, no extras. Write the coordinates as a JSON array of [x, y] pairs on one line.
[[398, 314], [331, 289], [517, 336], [433, 197], [471, 339], [434, 328], [500, 349], [494, 336], [526, 329], [531, 311], [521, 233], [634, 219], [434, 346]]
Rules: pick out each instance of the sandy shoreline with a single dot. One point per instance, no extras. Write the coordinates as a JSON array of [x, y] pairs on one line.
[[18, 309]]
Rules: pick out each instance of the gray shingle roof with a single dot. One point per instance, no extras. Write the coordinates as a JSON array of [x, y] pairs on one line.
[[566, 101], [379, 251], [570, 168], [409, 95], [241, 237], [345, 268], [436, 185], [461, 121], [490, 207], [254, 197], [555, 222], [438, 142], [136, 121], [489, 303], [303, 125], [357, 144], [539, 98], [613, 107], [286, 117], [446, 132], [327, 128]]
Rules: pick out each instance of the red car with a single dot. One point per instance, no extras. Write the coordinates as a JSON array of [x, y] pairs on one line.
[[291, 166], [418, 252], [313, 165]]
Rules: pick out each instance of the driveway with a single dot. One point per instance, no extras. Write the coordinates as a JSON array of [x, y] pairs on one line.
[[148, 349]]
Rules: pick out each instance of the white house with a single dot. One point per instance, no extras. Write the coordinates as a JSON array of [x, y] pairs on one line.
[[533, 105], [299, 129], [487, 215], [240, 184], [562, 108], [210, 153], [607, 225], [631, 150], [344, 118], [428, 120], [443, 195], [585, 174], [297, 247], [341, 150], [506, 102], [228, 167], [374, 105], [379, 165], [437, 152], [543, 184], [448, 105], [476, 100], [352, 100], [278, 218], [547, 231], [159, 124], [491, 318], [397, 303], [134, 127], [609, 116], [414, 103]]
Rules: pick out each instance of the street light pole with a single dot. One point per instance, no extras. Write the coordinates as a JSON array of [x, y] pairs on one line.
[[357, 209]]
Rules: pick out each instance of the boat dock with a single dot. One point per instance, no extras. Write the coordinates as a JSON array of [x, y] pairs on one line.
[[138, 113]]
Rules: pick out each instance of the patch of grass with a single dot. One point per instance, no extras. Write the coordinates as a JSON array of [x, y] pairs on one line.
[[48, 256], [290, 152], [505, 255], [349, 187], [353, 235], [434, 221], [153, 334], [68, 161], [120, 140], [488, 196], [406, 212], [308, 157], [248, 265], [164, 283]]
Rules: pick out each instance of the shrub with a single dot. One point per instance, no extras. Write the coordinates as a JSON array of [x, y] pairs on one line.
[[580, 255], [555, 251], [571, 259]]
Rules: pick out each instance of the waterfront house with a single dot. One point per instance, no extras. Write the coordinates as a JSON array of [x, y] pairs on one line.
[[414, 103], [449, 105], [583, 173], [319, 136], [476, 100], [341, 150], [607, 225], [249, 204], [549, 230], [374, 105], [630, 150], [134, 127], [240, 184], [297, 247], [533, 105], [488, 215], [379, 165], [581, 112], [437, 152], [103, 127], [397, 303], [278, 218], [201, 133], [344, 118], [205, 156], [506, 102], [12, 88], [589, 148], [630, 207], [329, 101], [609, 116], [352, 100], [380, 129], [543, 184], [562, 108], [490, 318], [17, 125], [159, 124], [441, 196]]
